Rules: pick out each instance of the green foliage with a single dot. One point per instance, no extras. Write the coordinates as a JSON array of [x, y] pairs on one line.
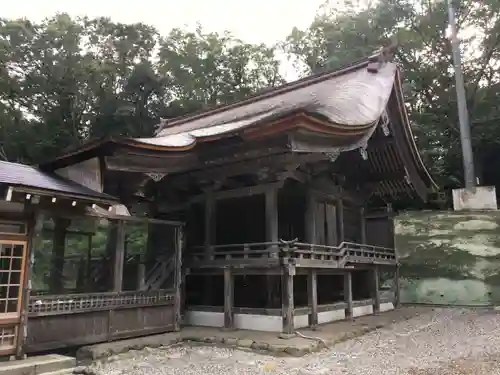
[[65, 80]]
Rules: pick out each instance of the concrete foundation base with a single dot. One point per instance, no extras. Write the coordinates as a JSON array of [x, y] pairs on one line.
[[274, 323], [480, 198]]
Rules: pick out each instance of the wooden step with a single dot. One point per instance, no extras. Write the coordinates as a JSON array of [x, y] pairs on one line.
[[68, 371], [38, 365]]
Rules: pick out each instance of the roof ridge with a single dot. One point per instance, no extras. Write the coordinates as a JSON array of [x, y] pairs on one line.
[[268, 92]]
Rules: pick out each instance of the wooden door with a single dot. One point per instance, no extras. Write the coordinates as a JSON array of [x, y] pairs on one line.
[[13, 244], [380, 230], [326, 224]]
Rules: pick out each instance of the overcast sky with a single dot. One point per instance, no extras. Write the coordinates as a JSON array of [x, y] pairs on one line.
[[254, 21]]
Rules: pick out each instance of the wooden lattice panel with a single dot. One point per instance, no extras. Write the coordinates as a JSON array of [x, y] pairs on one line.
[[11, 272], [7, 337], [71, 303]]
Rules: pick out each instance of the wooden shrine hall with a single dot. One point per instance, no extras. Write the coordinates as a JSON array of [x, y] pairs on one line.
[[284, 199]]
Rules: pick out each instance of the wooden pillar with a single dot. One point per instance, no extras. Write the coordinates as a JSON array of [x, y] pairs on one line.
[[141, 275], [272, 219], [348, 294], [179, 244], [340, 217], [210, 225], [312, 292], [210, 231], [35, 226], [376, 289], [310, 219], [397, 290], [56, 285], [88, 272], [119, 256], [287, 304], [228, 298], [363, 226]]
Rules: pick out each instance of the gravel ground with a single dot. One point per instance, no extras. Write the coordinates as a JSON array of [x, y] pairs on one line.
[[442, 342]]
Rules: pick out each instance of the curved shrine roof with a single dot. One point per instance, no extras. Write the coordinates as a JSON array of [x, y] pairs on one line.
[[346, 104]]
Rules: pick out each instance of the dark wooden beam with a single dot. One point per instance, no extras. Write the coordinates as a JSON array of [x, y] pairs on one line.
[[312, 293], [348, 295], [223, 194], [271, 162]]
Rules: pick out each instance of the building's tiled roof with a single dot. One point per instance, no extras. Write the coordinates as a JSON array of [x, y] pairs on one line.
[[15, 174]]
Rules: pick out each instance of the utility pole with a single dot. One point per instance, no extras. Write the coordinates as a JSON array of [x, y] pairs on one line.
[[463, 116]]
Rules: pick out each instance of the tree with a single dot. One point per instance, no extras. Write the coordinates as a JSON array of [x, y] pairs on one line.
[[208, 69], [65, 80]]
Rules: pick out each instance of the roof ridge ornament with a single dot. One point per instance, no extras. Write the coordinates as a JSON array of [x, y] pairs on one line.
[[363, 152], [160, 126], [384, 123], [381, 57], [407, 176], [332, 156], [156, 176]]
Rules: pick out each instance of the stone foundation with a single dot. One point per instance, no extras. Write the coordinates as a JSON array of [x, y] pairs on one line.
[[210, 316]]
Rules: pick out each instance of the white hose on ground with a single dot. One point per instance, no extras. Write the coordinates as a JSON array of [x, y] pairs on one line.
[[310, 337]]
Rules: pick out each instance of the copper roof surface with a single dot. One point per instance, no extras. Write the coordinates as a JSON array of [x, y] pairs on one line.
[[15, 174], [354, 100]]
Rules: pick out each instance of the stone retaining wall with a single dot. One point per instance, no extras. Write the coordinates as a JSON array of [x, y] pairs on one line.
[[449, 257]]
